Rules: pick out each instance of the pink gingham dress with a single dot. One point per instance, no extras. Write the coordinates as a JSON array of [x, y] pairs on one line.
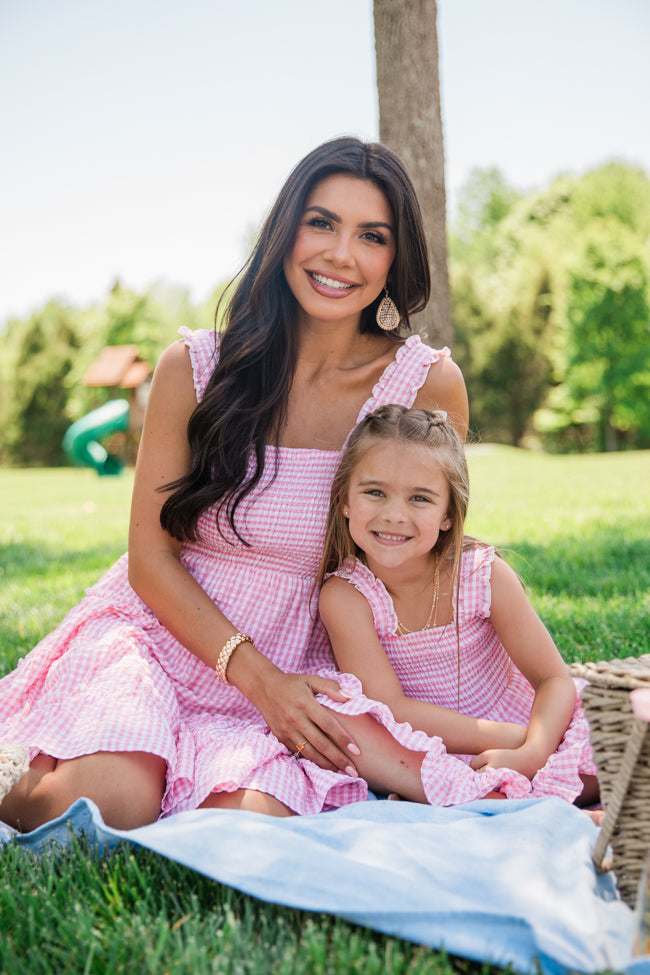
[[112, 678], [427, 665]]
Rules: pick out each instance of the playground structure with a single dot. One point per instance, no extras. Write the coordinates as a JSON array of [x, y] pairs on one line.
[[116, 367]]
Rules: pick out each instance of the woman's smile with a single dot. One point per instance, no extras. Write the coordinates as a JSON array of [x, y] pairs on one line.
[[330, 286]]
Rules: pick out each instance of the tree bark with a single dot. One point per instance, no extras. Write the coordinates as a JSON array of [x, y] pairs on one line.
[[410, 122]]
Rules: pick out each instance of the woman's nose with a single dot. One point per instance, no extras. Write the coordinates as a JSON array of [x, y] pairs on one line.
[[340, 250]]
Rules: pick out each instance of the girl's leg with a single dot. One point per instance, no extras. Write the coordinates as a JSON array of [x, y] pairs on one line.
[[389, 767], [590, 793], [247, 799], [126, 786], [386, 765]]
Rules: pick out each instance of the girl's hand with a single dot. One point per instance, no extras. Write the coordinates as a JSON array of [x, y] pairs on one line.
[[524, 760], [288, 704], [502, 735]]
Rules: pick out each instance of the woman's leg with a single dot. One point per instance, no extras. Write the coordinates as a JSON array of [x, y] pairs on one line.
[[247, 799], [126, 786]]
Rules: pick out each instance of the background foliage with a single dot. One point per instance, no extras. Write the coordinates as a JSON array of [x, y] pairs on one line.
[[551, 309]]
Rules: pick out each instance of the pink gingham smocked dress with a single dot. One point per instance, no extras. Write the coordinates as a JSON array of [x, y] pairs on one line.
[[111, 677], [427, 665]]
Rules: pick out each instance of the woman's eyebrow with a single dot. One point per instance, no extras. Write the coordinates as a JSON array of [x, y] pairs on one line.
[[366, 225]]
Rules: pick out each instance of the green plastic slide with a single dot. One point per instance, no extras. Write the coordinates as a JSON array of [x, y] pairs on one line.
[[81, 440]]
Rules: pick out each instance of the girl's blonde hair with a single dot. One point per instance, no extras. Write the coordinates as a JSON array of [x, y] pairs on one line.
[[427, 428]]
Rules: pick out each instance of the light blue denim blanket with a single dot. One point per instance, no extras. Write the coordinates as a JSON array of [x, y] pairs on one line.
[[502, 882]]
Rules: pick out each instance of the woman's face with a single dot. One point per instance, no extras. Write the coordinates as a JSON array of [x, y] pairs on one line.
[[343, 251]]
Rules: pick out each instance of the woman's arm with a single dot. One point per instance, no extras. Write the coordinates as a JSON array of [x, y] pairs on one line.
[[349, 622], [444, 389], [286, 701], [533, 652]]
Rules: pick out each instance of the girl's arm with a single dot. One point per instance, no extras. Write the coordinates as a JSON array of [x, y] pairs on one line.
[[286, 701], [349, 622], [533, 652]]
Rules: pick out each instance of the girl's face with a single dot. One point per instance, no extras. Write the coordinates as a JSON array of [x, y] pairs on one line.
[[343, 251], [397, 505]]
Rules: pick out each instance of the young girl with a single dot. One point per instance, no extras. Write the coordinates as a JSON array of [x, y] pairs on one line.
[[436, 626]]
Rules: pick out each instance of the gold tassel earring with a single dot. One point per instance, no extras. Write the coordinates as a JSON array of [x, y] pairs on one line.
[[388, 317]]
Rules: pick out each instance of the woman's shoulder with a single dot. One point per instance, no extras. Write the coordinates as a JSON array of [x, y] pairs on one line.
[[404, 373], [203, 347], [444, 388]]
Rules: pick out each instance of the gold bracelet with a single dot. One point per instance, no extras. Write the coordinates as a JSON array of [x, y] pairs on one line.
[[226, 653]]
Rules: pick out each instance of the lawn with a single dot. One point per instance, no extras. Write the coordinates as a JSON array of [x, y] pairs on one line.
[[575, 528]]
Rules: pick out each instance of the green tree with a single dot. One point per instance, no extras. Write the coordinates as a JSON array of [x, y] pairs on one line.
[[35, 416], [608, 367], [550, 299], [484, 200]]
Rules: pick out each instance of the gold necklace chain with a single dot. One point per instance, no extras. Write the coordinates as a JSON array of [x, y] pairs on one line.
[[402, 629]]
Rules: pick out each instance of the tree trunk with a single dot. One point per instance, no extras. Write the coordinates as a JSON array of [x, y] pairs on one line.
[[410, 122]]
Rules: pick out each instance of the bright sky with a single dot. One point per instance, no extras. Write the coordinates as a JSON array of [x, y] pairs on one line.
[[145, 140]]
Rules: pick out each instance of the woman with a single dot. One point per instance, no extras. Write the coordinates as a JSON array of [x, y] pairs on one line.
[[183, 678]]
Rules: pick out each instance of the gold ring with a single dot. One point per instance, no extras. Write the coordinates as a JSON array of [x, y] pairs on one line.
[[299, 748]]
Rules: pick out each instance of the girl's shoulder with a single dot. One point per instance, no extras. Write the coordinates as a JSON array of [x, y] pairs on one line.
[[359, 578], [475, 594], [477, 556], [203, 347], [355, 572]]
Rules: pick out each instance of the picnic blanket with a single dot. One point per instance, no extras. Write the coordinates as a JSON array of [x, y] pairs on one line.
[[502, 882]]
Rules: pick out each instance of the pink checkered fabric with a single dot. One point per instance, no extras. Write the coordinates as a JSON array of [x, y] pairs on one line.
[[426, 663], [112, 678]]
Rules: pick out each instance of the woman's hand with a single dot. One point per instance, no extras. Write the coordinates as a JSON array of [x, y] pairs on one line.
[[288, 704]]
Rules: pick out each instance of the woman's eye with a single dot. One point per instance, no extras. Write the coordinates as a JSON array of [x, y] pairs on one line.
[[374, 237], [319, 222]]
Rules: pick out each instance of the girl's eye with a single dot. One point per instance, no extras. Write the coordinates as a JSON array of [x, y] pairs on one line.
[[419, 498], [374, 237], [374, 493]]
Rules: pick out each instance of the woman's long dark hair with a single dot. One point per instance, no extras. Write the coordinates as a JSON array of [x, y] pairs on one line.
[[245, 402]]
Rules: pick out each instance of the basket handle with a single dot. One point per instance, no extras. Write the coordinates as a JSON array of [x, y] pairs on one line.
[[619, 790]]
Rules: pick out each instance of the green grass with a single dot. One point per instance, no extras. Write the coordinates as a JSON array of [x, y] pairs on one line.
[[575, 528]]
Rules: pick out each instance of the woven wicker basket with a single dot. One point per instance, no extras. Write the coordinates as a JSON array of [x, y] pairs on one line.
[[621, 744]]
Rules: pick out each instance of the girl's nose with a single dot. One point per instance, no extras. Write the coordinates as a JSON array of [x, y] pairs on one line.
[[394, 511]]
